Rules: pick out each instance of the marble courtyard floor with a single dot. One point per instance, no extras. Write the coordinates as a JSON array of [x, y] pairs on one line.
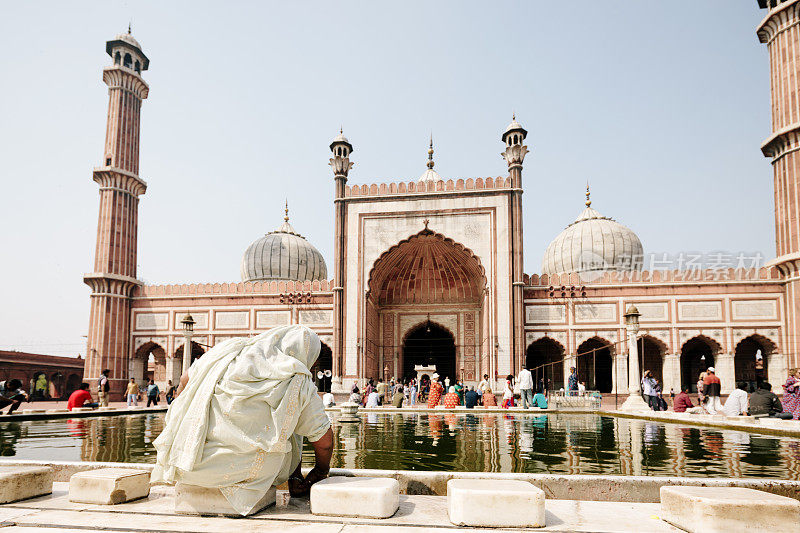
[[416, 514]]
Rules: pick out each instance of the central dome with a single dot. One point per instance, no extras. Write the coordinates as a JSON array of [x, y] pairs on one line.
[[593, 243], [283, 255]]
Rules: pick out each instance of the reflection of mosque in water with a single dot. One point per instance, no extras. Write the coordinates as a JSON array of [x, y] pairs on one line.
[[558, 444], [117, 439]]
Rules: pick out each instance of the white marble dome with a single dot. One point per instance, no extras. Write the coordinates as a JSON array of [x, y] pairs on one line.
[[283, 255], [593, 243]]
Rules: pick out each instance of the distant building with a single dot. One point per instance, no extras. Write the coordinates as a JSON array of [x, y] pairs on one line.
[[430, 271], [63, 374]]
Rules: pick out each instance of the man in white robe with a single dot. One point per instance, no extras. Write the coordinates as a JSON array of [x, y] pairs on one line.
[[240, 417]]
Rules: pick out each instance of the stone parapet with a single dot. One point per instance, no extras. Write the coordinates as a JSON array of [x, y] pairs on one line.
[[574, 281], [416, 187], [249, 287]]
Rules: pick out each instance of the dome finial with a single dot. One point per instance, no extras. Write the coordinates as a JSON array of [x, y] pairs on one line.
[[286, 212], [341, 130], [588, 200], [430, 153], [129, 27], [513, 116]]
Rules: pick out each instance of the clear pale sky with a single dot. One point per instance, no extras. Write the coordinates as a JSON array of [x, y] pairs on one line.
[[661, 106]]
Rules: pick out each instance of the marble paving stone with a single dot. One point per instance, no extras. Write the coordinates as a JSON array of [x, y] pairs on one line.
[[495, 503], [191, 499], [362, 497], [109, 486], [23, 482], [90, 520], [728, 509]]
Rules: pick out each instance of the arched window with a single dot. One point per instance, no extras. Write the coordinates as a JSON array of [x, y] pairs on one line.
[[127, 61], [136, 66], [117, 58]]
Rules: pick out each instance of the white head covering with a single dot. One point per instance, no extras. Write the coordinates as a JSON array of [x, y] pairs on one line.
[[239, 422]]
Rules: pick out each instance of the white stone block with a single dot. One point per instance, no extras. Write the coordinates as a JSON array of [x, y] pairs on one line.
[[360, 497], [106, 408], [728, 509], [81, 409], [109, 486], [194, 500], [57, 411], [22, 482], [33, 411], [495, 503]]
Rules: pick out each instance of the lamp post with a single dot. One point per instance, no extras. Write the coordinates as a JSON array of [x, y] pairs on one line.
[[634, 402], [188, 328]]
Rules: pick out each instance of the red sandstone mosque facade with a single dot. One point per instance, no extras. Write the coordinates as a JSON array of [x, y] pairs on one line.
[[430, 271]]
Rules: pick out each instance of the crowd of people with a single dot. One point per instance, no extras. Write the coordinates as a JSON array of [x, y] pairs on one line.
[[433, 392]]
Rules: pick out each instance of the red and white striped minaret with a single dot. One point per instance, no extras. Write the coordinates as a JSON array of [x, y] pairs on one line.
[[114, 276]]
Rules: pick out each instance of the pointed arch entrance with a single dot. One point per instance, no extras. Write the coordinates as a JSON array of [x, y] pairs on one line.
[[697, 355], [544, 358], [750, 360], [430, 344], [595, 364], [422, 276]]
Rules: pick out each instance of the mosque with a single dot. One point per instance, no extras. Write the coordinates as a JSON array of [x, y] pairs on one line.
[[430, 272]]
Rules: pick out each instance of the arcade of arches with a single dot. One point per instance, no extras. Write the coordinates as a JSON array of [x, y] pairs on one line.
[[425, 304], [547, 359]]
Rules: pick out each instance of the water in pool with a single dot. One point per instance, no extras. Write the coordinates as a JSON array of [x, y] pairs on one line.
[[552, 443]]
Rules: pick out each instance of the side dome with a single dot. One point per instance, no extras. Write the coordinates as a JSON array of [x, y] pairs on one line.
[[283, 255], [593, 243]]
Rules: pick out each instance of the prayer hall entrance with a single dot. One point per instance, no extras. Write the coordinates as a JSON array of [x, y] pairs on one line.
[[430, 344], [425, 304]]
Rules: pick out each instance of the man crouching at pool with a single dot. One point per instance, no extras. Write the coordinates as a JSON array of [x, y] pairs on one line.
[[11, 393], [239, 420]]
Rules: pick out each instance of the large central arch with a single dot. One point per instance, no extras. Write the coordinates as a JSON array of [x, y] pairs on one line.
[[425, 274]]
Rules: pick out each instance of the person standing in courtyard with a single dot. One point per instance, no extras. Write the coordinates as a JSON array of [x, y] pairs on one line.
[[381, 389], [508, 392], [11, 393], [132, 393], [648, 390], [791, 394], [103, 388], [412, 393], [152, 393], [239, 421], [435, 392], [525, 383], [572, 381], [170, 394], [711, 389]]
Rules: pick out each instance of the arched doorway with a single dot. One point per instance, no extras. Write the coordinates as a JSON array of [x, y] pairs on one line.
[[430, 344], [595, 365], [425, 274], [697, 354], [544, 358], [651, 357], [750, 360], [197, 352], [146, 361], [323, 364]]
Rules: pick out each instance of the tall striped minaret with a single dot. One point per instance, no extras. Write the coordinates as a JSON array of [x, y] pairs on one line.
[[780, 31], [114, 276]]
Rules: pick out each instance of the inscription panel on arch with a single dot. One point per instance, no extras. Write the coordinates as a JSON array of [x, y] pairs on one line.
[[701, 311], [755, 309], [596, 312], [545, 314]]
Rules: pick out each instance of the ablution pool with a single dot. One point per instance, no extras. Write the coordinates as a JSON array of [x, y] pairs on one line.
[[556, 443]]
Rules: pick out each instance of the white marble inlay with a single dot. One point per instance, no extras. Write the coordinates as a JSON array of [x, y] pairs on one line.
[[545, 314], [316, 316], [749, 309], [151, 321], [595, 312], [700, 310], [271, 319], [231, 319]]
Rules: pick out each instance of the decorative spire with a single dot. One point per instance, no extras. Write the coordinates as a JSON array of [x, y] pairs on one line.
[[588, 200], [513, 116], [129, 28], [286, 212], [430, 153]]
